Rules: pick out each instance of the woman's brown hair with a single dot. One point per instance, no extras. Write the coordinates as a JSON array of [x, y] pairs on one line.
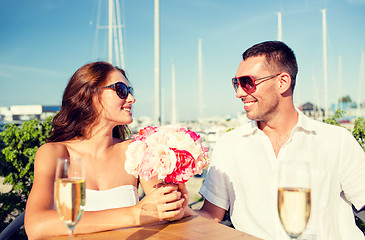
[[78, 112]]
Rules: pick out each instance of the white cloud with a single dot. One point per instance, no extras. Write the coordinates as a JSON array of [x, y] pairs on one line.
[[8, 70]]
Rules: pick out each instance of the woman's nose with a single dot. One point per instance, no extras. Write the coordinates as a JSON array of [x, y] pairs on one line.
[[131, 98]]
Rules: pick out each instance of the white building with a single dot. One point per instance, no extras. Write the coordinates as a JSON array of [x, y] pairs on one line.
[[20, 113]]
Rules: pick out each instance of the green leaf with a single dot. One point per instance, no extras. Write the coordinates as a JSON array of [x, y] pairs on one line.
[[18, 146]]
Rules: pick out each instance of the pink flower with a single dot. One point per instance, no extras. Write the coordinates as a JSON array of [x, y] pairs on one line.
[[144, 133], [201, 163], [192, 134]]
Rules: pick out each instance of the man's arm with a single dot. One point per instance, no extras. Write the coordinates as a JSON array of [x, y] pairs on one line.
[[211, 211], [208, 210]]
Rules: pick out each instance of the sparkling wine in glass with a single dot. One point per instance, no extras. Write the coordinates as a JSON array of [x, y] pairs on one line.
[[69, 191], [294, 197]]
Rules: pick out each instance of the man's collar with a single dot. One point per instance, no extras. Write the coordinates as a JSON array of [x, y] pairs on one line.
[[249, 128], [303, 123]]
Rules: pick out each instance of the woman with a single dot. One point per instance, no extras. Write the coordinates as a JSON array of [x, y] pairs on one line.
[[96, 107]]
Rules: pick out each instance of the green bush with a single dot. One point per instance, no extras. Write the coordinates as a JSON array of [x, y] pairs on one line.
[[359, 131], [19, 145]]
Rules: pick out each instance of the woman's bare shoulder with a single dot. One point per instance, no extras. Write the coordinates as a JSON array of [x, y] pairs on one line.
[[49, 151], [123, 144], [54, 148], [127, 142]]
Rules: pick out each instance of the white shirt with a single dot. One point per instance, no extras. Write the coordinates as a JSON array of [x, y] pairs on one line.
[[122, 196], [243, 178]]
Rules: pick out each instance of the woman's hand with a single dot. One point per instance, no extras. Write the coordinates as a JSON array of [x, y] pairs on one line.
[[164, 202], [186, 210]]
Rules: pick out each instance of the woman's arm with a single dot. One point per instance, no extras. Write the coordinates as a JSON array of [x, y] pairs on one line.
[[40, 205]]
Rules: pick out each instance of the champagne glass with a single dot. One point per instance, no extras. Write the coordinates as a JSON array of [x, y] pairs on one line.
[[69, 191], [294, 197]]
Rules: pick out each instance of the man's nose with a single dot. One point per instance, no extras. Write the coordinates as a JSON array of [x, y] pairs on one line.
[[240, 92]]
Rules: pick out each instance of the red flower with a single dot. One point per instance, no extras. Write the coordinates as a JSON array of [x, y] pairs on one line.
[[184, 169]]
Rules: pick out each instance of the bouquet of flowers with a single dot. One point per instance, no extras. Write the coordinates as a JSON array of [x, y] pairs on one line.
[[168, 153]]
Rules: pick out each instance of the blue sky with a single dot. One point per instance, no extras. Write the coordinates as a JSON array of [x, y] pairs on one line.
[[43, 42]]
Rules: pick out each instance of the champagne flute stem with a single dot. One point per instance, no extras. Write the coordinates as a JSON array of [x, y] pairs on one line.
[[70, 231]]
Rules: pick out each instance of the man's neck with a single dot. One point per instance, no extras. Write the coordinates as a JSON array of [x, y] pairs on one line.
[[279, 127]]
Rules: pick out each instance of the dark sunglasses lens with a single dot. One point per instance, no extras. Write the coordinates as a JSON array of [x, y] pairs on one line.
[[122, 90], [235, 83], [247, 84]]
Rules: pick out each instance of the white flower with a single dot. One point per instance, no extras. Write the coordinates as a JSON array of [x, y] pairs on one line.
[[134, 156], [164, 160], [157, 138]]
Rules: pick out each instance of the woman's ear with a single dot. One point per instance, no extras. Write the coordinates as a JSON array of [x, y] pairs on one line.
[[284, 83]]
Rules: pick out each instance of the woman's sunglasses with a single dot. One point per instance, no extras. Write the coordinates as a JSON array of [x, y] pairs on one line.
[[248, 83], [121, 89]]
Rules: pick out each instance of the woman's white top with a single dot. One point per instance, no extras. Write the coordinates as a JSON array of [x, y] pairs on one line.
[[122, 196]]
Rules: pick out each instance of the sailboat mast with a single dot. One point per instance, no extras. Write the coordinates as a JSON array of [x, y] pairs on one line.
[[110, 31], [317, 110], [361, 79], [200, 70], [120, 35], [280, 30], [340, 81], [173, 86], [157, 64], [112, 23], [324, 34]]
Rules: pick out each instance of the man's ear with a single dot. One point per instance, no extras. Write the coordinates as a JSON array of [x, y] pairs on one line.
[[284, 82]]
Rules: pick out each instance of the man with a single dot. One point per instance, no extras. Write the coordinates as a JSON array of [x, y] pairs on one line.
[[244, 169]]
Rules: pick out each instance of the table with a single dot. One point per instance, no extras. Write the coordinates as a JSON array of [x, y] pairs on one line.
[[193, 227]]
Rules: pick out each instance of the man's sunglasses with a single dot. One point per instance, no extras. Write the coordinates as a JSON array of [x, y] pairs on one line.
[[121, 89], [248, 83]]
